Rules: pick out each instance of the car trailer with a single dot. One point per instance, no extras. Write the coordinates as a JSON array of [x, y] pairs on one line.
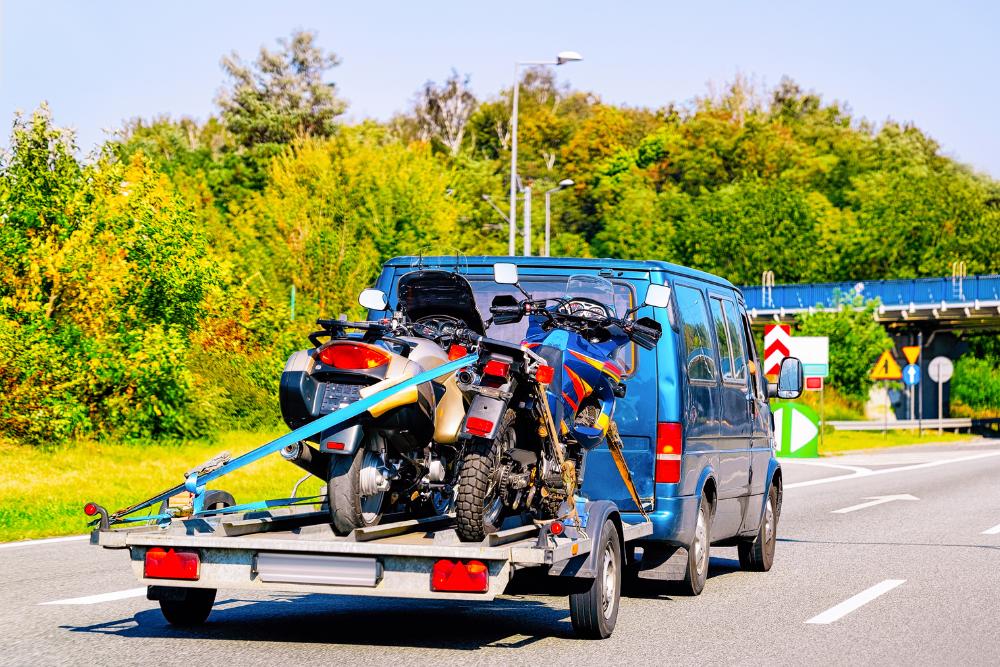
[[287, 544], [295, 550]]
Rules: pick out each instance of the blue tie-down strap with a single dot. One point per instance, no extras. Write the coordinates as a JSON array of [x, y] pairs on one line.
[[197, 484]]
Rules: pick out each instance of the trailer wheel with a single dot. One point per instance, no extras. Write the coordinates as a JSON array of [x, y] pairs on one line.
[[349, 507], [188, 610], [758, 555], [594, 611], [479, 507]]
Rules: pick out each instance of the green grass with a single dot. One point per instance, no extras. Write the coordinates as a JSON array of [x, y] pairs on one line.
[[43, 490], [835, 442]]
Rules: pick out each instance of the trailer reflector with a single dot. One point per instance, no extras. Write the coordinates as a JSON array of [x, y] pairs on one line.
[[460, 576], [170, 564]]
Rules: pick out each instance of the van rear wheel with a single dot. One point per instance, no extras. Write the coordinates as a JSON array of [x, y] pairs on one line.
[[696, 572], [758, 555]]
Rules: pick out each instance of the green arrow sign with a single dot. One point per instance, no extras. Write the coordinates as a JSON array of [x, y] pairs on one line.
[[796, 430]]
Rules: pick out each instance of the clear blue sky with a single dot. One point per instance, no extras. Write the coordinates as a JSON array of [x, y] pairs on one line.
[[932, 63]]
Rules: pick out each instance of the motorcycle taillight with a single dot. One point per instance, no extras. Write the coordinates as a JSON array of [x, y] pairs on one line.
[[497, 369], [353, 356]]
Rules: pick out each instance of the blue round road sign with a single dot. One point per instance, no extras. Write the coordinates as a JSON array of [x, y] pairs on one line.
[[911, 375]]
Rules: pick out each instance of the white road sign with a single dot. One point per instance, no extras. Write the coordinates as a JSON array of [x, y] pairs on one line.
[[940, 369], [813, 352]]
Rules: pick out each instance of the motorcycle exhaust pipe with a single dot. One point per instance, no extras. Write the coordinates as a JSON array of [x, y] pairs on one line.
[[311, 460], [466, 376]]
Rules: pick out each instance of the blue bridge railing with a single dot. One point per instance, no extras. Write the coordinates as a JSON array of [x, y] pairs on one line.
[[888, 292]]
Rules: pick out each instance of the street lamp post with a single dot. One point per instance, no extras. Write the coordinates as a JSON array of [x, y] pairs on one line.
[[565, 183], [561, 59]]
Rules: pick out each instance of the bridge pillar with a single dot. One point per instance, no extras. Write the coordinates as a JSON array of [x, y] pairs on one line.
[[937, 343]]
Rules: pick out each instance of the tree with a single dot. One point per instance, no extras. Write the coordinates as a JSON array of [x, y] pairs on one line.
[[282, 94], [442, 111]]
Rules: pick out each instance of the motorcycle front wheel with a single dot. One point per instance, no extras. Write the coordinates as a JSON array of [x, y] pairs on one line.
[[479, 506], [351, 504]]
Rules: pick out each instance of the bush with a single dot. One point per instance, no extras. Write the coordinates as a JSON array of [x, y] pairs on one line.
[[975, 386]]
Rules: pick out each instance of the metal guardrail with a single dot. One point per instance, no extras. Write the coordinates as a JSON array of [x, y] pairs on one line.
[[889, 292], [902, 424]]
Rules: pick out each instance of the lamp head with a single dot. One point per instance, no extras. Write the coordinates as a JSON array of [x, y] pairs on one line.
[[568, 57]]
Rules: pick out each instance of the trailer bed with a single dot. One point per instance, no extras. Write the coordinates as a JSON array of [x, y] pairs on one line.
[[296, 551]]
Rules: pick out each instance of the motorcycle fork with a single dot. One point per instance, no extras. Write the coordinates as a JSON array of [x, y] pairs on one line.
[[567, 467]]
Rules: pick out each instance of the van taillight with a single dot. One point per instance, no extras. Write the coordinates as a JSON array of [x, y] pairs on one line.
[[669, 447]]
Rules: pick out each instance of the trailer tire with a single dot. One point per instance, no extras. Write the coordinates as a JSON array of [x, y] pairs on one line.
[[479, 509], [190, 610], [594, 612], [348, 509]]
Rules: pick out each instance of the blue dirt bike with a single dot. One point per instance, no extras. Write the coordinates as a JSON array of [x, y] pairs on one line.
[[537, 408]]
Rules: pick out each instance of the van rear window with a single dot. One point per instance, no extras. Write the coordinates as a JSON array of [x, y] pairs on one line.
[[698, 343], [550, 286]]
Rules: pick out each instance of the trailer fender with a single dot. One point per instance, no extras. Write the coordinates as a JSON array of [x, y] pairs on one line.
[[585, 565]]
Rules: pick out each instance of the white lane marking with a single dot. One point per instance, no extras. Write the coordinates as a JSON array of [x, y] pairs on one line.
[[48, 540], [873, 501], [824, 464], [847, 606], [886, 471], [102, 597], [995, 530]]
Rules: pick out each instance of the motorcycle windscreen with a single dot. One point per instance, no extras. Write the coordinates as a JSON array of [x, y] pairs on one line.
[[425, 293]]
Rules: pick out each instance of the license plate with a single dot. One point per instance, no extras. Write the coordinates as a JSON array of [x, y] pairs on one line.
[[336, 396]]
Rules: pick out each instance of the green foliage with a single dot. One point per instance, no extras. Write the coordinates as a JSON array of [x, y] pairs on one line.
[[856, 341], [282, 94], [976, 385], [146, 294]]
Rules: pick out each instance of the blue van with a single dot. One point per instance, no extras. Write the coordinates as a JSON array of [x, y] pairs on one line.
[[695, 422]]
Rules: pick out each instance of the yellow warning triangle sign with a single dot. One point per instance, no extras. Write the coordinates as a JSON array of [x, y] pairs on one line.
[[912, 353], [886, 368]]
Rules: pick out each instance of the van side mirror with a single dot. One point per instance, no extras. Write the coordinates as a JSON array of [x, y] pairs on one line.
[[505, 273], [790, 378], [657, 296], [373, 299]]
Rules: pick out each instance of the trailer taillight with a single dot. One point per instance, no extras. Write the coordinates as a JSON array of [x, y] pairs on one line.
[[497, 369], [669, 447], [460, 576], [170, 564], [353, 356]]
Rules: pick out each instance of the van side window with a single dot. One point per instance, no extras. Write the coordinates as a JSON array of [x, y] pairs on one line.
[[738, 347], [722, 335], [755, 380], [697, 336]]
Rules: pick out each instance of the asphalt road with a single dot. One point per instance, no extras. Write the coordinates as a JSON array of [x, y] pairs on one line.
[[901, 581]]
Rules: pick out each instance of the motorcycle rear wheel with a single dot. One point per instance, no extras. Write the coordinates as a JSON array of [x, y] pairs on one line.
[[479, 506], [348, 508]]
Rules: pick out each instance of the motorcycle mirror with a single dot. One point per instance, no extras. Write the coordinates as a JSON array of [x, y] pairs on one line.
[[505, 273], [373, 299], [657, 296]]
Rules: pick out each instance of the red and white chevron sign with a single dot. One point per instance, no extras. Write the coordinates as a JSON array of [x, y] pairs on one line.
[[776, 340]]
